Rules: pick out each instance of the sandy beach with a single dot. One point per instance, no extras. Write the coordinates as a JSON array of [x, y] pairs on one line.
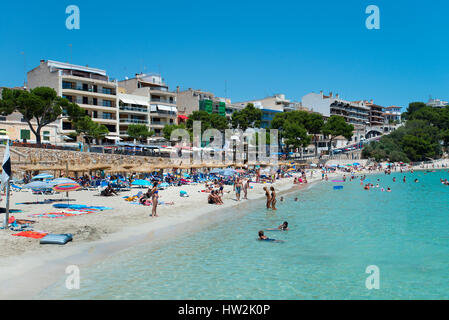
[[28, 267]]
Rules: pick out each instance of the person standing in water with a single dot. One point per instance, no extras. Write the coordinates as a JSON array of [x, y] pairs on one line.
[[273, 199], [245, 189], [155, 201], [238, 189], [268, 195]]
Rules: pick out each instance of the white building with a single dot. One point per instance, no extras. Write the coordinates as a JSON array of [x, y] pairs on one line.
[[356, 113], [163, 109], [88, 87], [437, 103]]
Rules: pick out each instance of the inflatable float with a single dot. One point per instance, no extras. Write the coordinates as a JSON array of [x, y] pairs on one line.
[[60, 239]]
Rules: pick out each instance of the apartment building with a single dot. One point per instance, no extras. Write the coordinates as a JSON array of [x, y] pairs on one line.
[[197, 100], [376, 114], [88, 87], [271, 106], [162, 102], [133, 109], [392, 114]]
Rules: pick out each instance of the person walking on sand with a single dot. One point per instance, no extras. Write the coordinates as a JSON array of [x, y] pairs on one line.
[[155, 201], [273, 199], [268, 195]]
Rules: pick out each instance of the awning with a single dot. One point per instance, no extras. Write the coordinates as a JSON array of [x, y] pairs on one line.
[[164, 108], [141, 101], [161, 107], [183, 117], [113, 138]]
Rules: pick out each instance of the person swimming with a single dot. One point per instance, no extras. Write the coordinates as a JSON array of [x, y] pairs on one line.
[[263, 237], [282, 227]]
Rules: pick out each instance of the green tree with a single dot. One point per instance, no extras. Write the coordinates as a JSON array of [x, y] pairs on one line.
[[139, 132], [208, 121], [168, 129], [89, 129], [412, 108], [248, 117], [296, 135], [314, 126], [337, 126], [39, 107]]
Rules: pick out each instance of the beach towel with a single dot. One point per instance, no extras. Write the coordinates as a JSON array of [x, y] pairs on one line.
[[31, 234]]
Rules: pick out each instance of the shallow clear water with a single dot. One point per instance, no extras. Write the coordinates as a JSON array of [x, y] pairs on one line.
[[334, 236]]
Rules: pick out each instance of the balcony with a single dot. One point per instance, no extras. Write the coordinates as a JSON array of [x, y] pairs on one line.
[[160, 123], [102, 91], [163, 101], [134, 121], [133, 109], [104, 120], [163, 114]]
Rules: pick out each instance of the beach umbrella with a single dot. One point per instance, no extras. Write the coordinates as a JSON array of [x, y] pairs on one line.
[[241, 171], [314, 165], [67, 187], [357, 164], [38, 186], [142, 183], [217, 171], [43, 176], [61, 181], [228, 172], [163, 185]]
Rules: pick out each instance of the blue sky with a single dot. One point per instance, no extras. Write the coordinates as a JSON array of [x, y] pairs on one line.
[[258, 47]]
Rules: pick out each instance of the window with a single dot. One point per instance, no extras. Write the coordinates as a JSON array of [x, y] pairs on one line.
[[107, 91], [46, 136], [67, 85], [107, 103], [2, 118], [25, 134]]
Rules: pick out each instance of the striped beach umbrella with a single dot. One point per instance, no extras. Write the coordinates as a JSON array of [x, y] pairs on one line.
[[67, 187]]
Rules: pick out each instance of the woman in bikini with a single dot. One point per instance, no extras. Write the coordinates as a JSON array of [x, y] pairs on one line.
[[273, 199], [155, 200], [268, 195]]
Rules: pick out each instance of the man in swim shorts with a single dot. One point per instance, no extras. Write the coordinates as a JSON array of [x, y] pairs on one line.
[[238, 189]]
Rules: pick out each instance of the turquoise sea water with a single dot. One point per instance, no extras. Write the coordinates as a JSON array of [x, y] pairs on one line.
[[334, 236]]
